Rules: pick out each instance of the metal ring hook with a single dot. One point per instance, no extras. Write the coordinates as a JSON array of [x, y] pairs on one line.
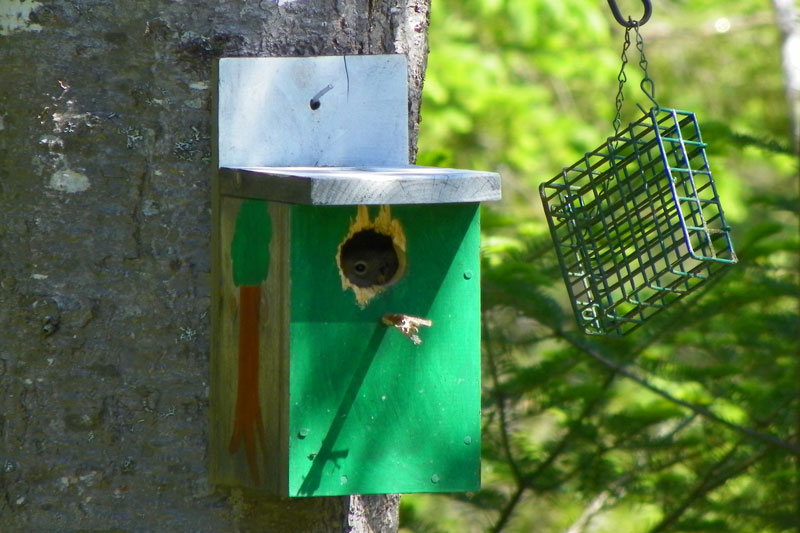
[[648, 10]]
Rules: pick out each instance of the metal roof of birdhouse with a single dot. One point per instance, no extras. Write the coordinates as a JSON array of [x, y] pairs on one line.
[[328, 131]]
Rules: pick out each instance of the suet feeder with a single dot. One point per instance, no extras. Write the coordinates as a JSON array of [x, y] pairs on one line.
[[346, 303], [637, 223]]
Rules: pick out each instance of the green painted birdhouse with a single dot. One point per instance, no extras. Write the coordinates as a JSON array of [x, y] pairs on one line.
[[346, 287]]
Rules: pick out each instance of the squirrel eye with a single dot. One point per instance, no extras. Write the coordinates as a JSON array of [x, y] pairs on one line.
[[360, 267]]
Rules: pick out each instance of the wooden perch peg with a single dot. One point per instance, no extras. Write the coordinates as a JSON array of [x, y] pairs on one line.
[[408, 325]]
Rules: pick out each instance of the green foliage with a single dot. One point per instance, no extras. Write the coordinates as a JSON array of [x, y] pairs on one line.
[[690, 422]]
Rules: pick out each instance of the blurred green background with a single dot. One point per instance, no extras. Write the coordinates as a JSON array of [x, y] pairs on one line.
[[691, 422]]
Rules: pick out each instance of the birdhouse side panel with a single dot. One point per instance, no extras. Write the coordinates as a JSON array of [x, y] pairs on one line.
[[247, 444], [371, 411]]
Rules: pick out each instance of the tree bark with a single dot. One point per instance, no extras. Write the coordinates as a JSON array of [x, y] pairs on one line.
[[104, 254]]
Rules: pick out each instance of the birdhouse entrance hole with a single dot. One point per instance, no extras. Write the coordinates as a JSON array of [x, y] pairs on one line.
[[368, 258], [372, 255]]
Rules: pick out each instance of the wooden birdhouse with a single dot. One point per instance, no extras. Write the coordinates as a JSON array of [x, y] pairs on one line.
[[346, 287]]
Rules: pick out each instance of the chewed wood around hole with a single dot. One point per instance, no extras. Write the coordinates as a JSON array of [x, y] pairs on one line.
[[372, 256]]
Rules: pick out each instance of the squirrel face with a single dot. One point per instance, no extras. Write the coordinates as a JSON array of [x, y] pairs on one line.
[[368, 258]]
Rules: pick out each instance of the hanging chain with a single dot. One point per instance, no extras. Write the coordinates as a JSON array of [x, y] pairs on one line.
[[648, 86], [622, 78]]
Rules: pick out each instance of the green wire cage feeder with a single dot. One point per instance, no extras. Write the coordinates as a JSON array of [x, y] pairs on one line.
[[637, 222]]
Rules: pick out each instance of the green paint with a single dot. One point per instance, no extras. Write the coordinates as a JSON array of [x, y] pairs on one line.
[[250, 246], [371, 412]]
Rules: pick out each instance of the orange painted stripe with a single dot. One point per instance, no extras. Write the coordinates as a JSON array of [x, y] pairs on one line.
[[248, 425]]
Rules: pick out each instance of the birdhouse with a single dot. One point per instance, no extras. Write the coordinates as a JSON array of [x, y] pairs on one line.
[[346, 287]]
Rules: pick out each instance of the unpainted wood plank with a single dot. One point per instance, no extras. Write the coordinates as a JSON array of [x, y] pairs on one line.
[[275, 352], [225, 469], [407, 184]]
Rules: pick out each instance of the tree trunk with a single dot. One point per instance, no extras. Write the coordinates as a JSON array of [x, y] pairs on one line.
[[786, 17], [104, 254]]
